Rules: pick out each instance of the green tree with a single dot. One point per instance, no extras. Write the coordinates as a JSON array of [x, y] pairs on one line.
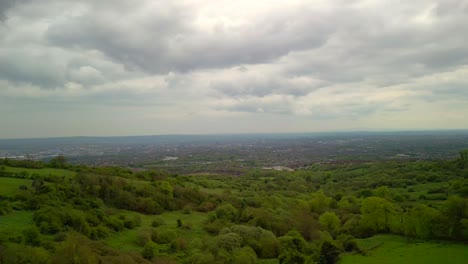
[[320, 202], [245, 255], [226, 212], [376, 214], [229, 241], [383, 192], [464, 155], [421, 221], [330, 221], [329, 253], [58, 162], [292, 249], [454, 210]]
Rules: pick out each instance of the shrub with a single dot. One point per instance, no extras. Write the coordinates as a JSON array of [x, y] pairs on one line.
[[165, 236], [32, 236], [226, 212], [158, 221], [149, 250], [143, 237], [229, 241], [178, 244], [245, 255]]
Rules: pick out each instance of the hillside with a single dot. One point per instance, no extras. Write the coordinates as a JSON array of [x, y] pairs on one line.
[[59, 213]]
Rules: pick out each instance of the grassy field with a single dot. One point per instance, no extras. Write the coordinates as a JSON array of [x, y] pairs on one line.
[[43, 172], [388, 249], [13, 224], [127, 240], [9, 186]]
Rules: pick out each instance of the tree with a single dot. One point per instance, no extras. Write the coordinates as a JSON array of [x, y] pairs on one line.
[[464, 155], [292, 249], [245, 255], [455, 209], [58, 162], [226, 212], [330, 222], [329, 253], [422, 222], [383, 192], [376, 214], [229, 241], [320, 202]]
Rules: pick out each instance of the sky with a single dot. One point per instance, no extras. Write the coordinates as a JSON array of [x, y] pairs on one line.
[[148, 67]]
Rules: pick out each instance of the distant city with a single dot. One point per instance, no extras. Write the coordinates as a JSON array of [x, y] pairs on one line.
[[233, 153]]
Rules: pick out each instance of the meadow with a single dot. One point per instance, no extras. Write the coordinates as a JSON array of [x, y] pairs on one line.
[[9, 186], [389, 249]]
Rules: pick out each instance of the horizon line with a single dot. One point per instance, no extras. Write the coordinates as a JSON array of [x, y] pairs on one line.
[[246, 133]]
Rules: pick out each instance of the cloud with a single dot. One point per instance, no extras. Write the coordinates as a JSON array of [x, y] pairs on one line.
[[4, 6], [158, 37], [332, 64]]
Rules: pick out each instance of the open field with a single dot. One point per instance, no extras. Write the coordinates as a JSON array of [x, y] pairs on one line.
[[389, 249], [9, 186], [12, 224]]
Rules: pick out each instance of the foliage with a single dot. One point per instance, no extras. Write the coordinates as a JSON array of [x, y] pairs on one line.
[[74, 213]]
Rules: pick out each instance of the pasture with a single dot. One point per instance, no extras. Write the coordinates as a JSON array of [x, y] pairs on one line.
[[390, 249], [9, 186]]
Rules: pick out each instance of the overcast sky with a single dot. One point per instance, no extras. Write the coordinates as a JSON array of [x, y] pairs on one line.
[[144, 67]]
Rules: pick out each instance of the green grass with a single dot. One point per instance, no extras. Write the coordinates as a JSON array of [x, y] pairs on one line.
[[13, 224], [389, 249], [9, 186], [127, 240], [43, 171]]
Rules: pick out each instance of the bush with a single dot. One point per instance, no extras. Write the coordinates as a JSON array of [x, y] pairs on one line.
[[245, 255], [115, 224], [165, 236], [99, 232], [229, 241], [134, 222], [178, 244], [32, 236], [143, 237], [226, 212], [158, 221], [202, 258], [351, 246], [213, 227], [149, 251], [187, 209]]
